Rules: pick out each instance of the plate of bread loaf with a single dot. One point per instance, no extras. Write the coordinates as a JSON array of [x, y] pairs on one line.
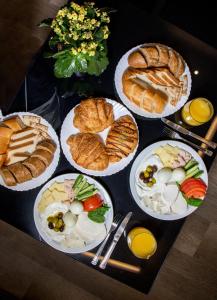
[[99, 137], [29, 151], [153, 80]]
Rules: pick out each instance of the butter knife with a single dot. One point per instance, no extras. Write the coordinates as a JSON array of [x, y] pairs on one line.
[[116, 238], [188, 132]]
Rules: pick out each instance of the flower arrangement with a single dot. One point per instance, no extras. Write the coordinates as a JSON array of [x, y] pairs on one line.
[[78, 39]]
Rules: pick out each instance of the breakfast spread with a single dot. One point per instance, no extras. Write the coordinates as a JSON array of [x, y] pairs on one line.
[[26, 148], [72, 212], [102, 140], [169, 181]]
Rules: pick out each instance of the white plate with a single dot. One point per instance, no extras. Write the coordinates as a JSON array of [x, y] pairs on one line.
[[47, 238], [69, 129], [169, 109], [35, 182], [142, 157]]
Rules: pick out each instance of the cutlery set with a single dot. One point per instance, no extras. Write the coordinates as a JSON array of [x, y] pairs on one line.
[[174, 135], [114, 242]]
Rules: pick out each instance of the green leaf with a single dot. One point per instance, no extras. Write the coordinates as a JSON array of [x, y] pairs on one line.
[[60, 53], [96, 65], [98, 215], [45, 23], [194, 201], [48, 54], [65, 66]]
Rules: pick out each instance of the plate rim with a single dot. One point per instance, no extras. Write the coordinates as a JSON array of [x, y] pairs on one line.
[[48, 240], [142, 155], [131, 106]]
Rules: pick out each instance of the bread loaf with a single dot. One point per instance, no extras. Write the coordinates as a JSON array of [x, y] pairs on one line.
[[157, 56], [20, 172], [8, 177], [35, 165], [142, 94], [15, 123]]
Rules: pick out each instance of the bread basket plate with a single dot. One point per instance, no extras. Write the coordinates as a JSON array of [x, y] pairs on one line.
[[140, 160], [37, 219], [69, 129], [35, 182], [169, 109]]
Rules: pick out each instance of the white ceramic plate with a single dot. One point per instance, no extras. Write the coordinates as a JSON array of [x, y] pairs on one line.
[[169, 109], [68, 129], [47, 238], [35, 182], [142, 157]]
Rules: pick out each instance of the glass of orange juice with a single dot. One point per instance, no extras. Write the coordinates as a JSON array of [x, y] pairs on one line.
[[141, 242], [197, 111]]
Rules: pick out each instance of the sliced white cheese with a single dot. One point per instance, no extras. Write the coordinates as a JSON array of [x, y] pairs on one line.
[[170, 193], [88, 230], [180, 205]]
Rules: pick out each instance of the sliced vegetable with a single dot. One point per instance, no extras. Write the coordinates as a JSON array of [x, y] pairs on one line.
[[193, 188], [190, 164], [78, 181], [192, 173], [92, 202], [80, 186], [98, 215], [87, 189], [190, 170], [86, 195], [194, 202], [197, 175]]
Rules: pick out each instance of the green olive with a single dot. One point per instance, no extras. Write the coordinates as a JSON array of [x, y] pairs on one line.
[[56, 229], [149, 184], [149, 169], [146, 174], [50, 219], [153, 180], [59, 223]]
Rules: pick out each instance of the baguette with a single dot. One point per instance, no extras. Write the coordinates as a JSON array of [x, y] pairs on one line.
[[20, 172], [44, 156], [8, 177], [2, 159], [35, 165], [47, 145]]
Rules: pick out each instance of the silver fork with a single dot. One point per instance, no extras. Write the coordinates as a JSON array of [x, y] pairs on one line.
[[174, 135], [115, 223]]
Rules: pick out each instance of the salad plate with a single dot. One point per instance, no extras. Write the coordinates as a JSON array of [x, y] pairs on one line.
[[168, 180], [73, 213]]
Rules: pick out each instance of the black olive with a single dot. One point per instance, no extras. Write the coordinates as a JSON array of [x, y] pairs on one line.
[[154, 168], [50, 225], [61, 228], [141, 176], [145, 180]]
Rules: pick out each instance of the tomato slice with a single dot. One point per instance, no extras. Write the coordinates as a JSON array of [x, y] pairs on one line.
[[92, 202], [188, 187], [192, 182], [195, 192]]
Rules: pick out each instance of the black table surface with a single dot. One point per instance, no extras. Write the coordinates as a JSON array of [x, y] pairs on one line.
[[129, 27]]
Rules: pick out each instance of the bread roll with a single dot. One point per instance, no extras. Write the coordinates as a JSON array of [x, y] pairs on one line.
[[35, 165], [93, 115], [137, 60], [8, 177], [3, 144], [88, 151], [47, 145], [15, 123], [20, 172]]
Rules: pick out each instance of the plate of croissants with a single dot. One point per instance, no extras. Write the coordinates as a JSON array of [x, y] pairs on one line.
[[153, 80], [99, 137], [29, 151]]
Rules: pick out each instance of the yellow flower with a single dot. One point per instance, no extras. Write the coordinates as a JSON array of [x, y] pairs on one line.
[[91, 53], [93, 21], [81, 17], [75, 6], [84, 51], [105, 36], [74, 51]]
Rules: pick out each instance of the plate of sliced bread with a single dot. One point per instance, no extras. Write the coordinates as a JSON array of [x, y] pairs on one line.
[[99, 137], [29, 151], [153, 80]]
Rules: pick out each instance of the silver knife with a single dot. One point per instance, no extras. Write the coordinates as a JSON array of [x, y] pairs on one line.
[[188, 132], [116, 238]]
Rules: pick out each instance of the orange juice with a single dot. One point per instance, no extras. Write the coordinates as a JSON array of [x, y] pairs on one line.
[[141, 242], [197, 112]]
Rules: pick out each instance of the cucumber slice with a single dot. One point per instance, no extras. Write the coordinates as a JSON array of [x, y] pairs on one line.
[[197, 175], [77, 181], [190, 164], [195, 167], [191, 174], [80, 186], [86, 195], [87, 189]]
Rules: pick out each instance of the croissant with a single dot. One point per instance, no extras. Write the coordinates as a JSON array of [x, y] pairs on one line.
[[93, 115], [122, 138], [157, 56], [142, 94], [88, 151]]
